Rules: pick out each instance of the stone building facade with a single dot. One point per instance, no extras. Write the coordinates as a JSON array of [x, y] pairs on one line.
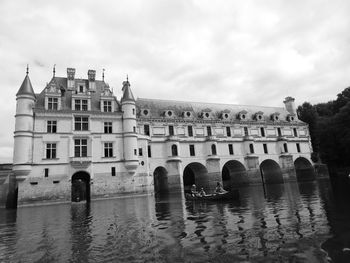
[[75, 141]]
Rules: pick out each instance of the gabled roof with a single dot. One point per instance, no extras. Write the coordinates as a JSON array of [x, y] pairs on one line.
[[26, 87], [61, 83]]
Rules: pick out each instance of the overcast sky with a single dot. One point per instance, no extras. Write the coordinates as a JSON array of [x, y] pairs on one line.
[[240, 52]]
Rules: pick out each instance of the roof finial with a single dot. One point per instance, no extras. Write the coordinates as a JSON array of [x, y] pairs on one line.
[[54, 70], [127, 78], [103, 74], [27, 72]]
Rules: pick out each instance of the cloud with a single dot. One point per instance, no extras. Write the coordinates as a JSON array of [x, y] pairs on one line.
[[243, 52]]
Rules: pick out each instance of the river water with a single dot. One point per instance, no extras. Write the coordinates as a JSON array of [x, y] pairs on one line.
[[282, 223]]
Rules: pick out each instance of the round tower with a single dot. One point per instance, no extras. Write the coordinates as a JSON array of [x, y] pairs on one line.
[[24, 128], [129, 128]]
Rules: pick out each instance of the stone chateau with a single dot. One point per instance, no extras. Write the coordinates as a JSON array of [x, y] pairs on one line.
[[77, 141]]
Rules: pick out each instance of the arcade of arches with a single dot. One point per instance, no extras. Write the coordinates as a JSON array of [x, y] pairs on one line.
[[233, 174]]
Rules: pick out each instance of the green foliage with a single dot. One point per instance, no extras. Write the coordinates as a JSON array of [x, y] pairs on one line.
[[329, 125]]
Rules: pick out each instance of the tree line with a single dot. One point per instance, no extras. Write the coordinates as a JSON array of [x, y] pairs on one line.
[[329, 126]]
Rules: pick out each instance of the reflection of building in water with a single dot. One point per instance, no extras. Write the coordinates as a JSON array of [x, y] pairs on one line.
[[77, 129]]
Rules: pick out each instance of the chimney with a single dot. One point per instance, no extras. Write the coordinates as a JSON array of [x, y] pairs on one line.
[[290, 105], [70, 78], [91, 77]]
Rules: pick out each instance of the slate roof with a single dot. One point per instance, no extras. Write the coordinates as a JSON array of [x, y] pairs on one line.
[[157, 107], [61, 83], [127, 94], [26, 87]]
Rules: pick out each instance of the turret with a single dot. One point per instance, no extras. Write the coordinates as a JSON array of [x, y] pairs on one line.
[[24, 127], [129, 128]]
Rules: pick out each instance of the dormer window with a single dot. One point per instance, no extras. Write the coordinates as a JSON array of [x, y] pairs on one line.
[[290, 117], [259, 116], [81, 89], [169, 113], [275, 116], [52, 103], [225, 114], [107, 106], [242, 115], [187, 114], [145, 112]]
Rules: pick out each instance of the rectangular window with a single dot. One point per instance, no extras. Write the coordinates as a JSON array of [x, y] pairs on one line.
[[81, 88], [108, 127], [246, 133], [81, 105], [140, 152], [209, 131], [52, 103], [190, 131], [149, 151], [108, 149], [262, 132], [135, 152], [285, 147], [265, 148], [171, 130], [81, 123], [50, 150], [279, 132], [80, 148], [192, 152], [51, 126], [107, 106], [298, 148], [251, 148], [46, 172], [113, 171], [230, 149], [228, 131], [146, 129], [295, 132]]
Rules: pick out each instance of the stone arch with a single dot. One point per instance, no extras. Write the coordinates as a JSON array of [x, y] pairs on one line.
[[160, 177], [81, 187], [234, 174], [195, 173], [304, 169], [271, 172]]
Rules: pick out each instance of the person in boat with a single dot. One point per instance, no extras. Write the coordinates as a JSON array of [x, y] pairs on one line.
[[202, 192], [219, 189], [194, 191]]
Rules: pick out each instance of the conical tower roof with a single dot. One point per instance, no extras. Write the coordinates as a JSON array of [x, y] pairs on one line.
[[127, 94], [26, 87]]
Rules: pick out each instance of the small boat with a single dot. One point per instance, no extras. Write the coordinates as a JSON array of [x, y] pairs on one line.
[[232, 195]]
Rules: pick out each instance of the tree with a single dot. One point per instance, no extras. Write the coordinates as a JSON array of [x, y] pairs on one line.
[[307, 113]]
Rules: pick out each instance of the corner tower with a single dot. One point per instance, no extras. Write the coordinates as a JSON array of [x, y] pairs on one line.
[[128, 106], [24, 128]]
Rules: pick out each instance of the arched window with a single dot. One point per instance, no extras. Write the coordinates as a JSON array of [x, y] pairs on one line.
[[213, 149], [174, 150], [251, 148]]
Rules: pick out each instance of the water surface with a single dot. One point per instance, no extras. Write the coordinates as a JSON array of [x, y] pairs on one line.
[[282, 223]]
